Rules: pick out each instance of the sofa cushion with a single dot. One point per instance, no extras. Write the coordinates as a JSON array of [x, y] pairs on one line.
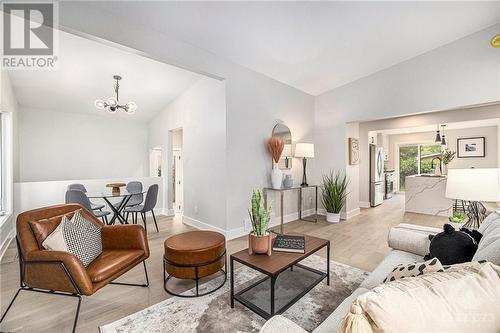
[[489, 246], [489, 221], [394, 258], [333, 321], [459, 300], [110, 262]]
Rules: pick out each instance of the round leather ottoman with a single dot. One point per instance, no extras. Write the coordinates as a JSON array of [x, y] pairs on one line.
[[194, 255]]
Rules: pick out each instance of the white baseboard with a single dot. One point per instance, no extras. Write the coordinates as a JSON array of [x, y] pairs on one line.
[[364, 204], [201, 225]]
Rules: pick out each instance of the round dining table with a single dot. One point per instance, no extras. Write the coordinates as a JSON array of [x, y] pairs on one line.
[[124, 197]]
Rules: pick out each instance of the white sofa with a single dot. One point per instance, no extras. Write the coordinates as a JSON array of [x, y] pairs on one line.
[[409, 244]]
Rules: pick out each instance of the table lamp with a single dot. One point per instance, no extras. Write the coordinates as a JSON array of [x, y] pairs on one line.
[[304, 151], [474, 185]]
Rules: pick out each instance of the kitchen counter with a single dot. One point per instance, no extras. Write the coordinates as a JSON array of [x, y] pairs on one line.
[[425, 194]]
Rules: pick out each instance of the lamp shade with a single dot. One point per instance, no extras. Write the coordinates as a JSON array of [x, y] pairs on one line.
[[304, 150], [473, 184]]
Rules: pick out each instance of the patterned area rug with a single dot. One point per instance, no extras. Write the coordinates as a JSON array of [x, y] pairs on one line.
[[212, 313]]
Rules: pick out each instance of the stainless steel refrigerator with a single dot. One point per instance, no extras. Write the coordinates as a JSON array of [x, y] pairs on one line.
[[377, 189]]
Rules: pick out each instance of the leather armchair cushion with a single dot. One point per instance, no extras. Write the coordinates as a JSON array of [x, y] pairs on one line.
[[44, 227], [110, 262]]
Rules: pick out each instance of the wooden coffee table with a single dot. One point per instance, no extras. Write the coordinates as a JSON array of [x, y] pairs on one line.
[[274, 265]]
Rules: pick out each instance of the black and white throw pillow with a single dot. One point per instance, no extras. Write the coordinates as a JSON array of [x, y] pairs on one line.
[[414, 269], [78, 236]]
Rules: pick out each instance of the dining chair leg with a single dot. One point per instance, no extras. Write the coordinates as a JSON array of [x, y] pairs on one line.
[[154, 219], [103, 218], [143, 216], [126, 217], [135, 214]]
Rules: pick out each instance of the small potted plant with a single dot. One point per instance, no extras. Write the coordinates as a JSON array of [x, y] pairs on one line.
[[457, 220], [259, 239], [447, 156], [334, 194]]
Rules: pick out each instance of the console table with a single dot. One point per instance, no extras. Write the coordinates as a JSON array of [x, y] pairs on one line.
[[293, 188]]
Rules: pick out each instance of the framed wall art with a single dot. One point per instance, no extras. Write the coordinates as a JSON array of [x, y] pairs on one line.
[[471, 147]]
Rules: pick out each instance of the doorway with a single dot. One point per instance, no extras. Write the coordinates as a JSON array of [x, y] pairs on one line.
[[155, 159], [177, 172]]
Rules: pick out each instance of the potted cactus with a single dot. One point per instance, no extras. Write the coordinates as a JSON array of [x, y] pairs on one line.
[[259, 239]]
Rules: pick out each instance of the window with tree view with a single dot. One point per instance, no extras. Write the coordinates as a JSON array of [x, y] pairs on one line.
[[416, 159]]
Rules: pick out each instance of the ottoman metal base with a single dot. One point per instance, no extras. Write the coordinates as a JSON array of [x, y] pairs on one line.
[[196, 267]]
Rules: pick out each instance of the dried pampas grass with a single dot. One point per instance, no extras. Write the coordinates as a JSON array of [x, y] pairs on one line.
[[275, 146]]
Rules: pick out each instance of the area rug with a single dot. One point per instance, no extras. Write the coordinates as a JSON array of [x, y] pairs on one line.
[[212, 313]]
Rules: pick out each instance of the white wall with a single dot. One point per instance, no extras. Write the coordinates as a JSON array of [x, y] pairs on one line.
[[464, 72], [489, 161], [10, 107], [65, 145], [30, 195], [254, 102], [201, 113]]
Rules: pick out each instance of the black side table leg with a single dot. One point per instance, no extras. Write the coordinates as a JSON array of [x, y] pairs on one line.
[[231, 264], [328, 264], [273, 283]]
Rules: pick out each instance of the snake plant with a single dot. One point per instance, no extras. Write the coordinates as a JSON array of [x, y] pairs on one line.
[[259, 215]]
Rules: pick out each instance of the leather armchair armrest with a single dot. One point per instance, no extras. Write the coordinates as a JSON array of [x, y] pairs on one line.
[[56, 270], [125, 237]]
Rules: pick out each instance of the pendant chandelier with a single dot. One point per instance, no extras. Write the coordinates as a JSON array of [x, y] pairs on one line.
[[438, 135], [112, 104], [443, 140]]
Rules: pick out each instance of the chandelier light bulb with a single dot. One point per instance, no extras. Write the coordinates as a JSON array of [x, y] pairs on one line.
[[112, 109], [100, 104], [130, 107], [112, 102]]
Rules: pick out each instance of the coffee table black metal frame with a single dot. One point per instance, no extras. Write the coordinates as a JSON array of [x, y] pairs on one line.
[[273, 277]]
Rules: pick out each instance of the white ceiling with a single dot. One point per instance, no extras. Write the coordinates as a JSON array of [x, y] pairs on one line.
[[85, 73], [313, 46]]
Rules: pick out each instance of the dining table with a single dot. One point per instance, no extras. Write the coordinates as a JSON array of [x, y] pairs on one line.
[[123, 196]]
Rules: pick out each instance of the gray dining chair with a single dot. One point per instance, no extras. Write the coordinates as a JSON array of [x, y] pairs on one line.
[[79, 197], [81, 187], [149, 205], [135, 199]]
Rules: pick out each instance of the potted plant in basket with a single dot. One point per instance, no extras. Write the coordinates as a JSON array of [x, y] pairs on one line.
[[447, 156], [259, 240], [334, 194]]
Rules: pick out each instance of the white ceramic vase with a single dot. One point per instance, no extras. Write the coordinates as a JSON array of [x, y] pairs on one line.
[[333, 217], [276, 177]]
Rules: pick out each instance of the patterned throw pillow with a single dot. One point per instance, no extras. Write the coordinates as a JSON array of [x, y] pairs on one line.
[[415, 269], [78, 236]]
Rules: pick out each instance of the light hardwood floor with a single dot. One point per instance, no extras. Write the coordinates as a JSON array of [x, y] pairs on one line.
[[360, 242]]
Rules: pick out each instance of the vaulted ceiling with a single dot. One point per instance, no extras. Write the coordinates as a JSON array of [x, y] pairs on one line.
[[313, 46]]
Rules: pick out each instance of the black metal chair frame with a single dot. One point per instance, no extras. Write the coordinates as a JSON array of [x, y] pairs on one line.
[[196, 279], [143, 217], [77, 294]]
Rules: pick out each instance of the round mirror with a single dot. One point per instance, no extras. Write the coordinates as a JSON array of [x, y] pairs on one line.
[[283, 132]]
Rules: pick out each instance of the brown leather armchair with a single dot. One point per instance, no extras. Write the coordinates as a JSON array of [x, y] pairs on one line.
[[57, 272]]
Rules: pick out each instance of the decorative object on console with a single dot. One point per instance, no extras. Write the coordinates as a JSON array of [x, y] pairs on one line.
[[353, 151], [289, 243], [282, 131], [259, 240], [304, 151], [334, 194], [415, 269], [447, 156], [453, 247], [471, 147], [112, 104], [474, 185], [116, 187], [288, 182], [275, 146]]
